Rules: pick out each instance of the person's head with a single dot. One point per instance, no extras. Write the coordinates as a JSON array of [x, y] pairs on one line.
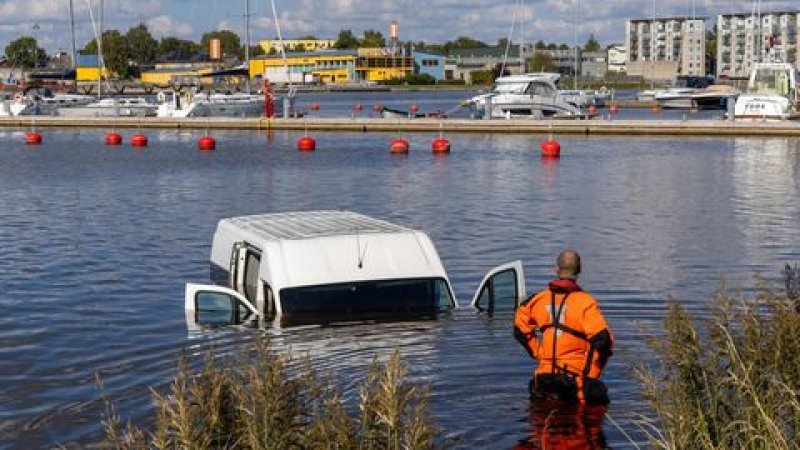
[[568, 264]]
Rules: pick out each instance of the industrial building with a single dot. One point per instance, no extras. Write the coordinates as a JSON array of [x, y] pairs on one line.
[[171, 73], [662, 48], [333, 66], [429, 64], [744, 40], [617, 58], [87, 68]]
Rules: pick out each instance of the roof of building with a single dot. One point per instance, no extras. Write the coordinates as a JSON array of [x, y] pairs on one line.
[[86, 60], [318, 53], [662, 19], [426, 53], [479, 52]]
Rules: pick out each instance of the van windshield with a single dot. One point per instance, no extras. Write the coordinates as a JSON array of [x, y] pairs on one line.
[[380, 296]]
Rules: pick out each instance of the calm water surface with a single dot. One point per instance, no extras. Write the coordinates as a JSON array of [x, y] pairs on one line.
[[98, 243]]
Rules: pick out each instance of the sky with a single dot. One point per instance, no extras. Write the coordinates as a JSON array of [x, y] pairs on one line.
[[434, 21]]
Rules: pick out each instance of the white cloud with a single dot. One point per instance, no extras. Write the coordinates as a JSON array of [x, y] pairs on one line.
[[429, 20], [165, 25]]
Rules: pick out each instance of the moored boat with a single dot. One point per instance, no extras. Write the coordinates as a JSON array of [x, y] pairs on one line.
[[771, 94]]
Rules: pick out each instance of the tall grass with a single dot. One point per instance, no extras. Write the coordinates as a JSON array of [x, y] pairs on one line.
[[734, 382], [257, 402]]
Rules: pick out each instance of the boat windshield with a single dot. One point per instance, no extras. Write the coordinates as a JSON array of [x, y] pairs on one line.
[[511, 87], [771, 81]]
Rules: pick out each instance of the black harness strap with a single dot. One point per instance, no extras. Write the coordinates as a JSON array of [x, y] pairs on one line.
[[566, 329], [556, 323]]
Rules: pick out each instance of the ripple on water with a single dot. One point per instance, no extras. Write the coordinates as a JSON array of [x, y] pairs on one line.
[[98, 243]]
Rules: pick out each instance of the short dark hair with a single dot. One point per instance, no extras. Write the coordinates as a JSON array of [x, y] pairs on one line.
[[568, 264]]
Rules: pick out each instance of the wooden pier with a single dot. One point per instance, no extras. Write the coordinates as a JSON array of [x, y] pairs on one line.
[[593, 127]]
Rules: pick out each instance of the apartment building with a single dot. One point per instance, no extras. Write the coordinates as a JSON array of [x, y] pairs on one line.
[[662, 48], [744, 40]]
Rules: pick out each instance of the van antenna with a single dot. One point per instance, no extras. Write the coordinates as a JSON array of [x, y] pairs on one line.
[[360, 254]]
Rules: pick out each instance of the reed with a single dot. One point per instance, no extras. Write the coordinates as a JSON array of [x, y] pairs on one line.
[[734, 381], [263, 401]]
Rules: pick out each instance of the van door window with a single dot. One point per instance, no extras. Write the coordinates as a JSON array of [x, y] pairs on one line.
[[251, 268], [216, 308], [502, 289]]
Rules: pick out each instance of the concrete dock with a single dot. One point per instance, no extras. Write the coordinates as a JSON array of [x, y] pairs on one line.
[[366, 125]]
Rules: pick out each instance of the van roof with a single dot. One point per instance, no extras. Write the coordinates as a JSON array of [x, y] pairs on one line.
[[313, 224]]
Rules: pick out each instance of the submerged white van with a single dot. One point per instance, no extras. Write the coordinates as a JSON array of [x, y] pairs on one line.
[[324, 263]]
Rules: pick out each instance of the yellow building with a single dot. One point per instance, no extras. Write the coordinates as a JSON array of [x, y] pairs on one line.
[[382, 68], [86, 69], [323, 67], [332, 67], [298, 45], [173, 73]]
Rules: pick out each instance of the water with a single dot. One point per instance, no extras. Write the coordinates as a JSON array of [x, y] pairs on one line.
[[98, 243]]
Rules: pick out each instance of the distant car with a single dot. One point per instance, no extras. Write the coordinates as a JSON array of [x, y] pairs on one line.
[[329, 263]]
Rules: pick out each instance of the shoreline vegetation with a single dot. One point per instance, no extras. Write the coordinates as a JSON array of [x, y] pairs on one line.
[[268, 400], [731, 381]]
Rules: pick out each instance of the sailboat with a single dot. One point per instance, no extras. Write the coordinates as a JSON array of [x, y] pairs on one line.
[[217, 104]]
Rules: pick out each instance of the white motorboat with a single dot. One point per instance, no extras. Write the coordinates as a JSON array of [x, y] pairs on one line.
[[771, 94], [212, 104], [715, 97], [584, 98], [35, 104], [111, 107], [532, 95]]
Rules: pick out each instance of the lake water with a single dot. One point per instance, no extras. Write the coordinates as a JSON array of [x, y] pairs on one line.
[[98, 243]]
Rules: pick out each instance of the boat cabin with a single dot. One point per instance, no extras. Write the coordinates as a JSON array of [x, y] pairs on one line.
[[774, 78], [329, 263]]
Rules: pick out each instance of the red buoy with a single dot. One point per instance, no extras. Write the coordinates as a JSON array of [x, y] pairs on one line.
[[592, 110], [657, 109], [440, 145], [358, 107], [139, 140], [550, 148], [377, 107], [613, 109], [399, 146], [113, 138], [206, 143], [413, 108], [33, 138], [306, 144], [314, 106]]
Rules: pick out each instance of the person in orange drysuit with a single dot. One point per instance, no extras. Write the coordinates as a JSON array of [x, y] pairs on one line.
[[562, 327]]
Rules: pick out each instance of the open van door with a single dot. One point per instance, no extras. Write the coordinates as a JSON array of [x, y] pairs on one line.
[[502, 289], [216, 306]]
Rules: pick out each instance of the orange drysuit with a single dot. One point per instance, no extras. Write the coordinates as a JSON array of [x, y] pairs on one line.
[[573, 340]]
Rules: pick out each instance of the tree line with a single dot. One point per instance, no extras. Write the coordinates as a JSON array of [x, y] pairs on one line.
[[138, 48]]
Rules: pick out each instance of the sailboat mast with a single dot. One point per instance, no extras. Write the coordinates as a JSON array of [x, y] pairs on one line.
[[280, 41], [72, 33], [575, 48], [522, 37], [653, 48], [247, 41]]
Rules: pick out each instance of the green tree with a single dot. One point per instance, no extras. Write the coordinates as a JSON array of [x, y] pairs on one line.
[[177, 48], [542, 61], [563, 47], [540, 45], [591, 44], [116, 52], [230, 44], [372, 39], [502, 42], [142, 44], [308, 37], [552, 46], [256, 50], [25, 52], [346, 39]]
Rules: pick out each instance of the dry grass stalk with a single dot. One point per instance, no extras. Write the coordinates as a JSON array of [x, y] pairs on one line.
[[257, 403], [737, 386]]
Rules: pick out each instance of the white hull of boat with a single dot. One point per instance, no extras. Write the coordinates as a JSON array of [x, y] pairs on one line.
[[764, 107]]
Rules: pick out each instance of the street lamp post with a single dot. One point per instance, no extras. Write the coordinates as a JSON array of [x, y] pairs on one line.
[[35, 46]]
